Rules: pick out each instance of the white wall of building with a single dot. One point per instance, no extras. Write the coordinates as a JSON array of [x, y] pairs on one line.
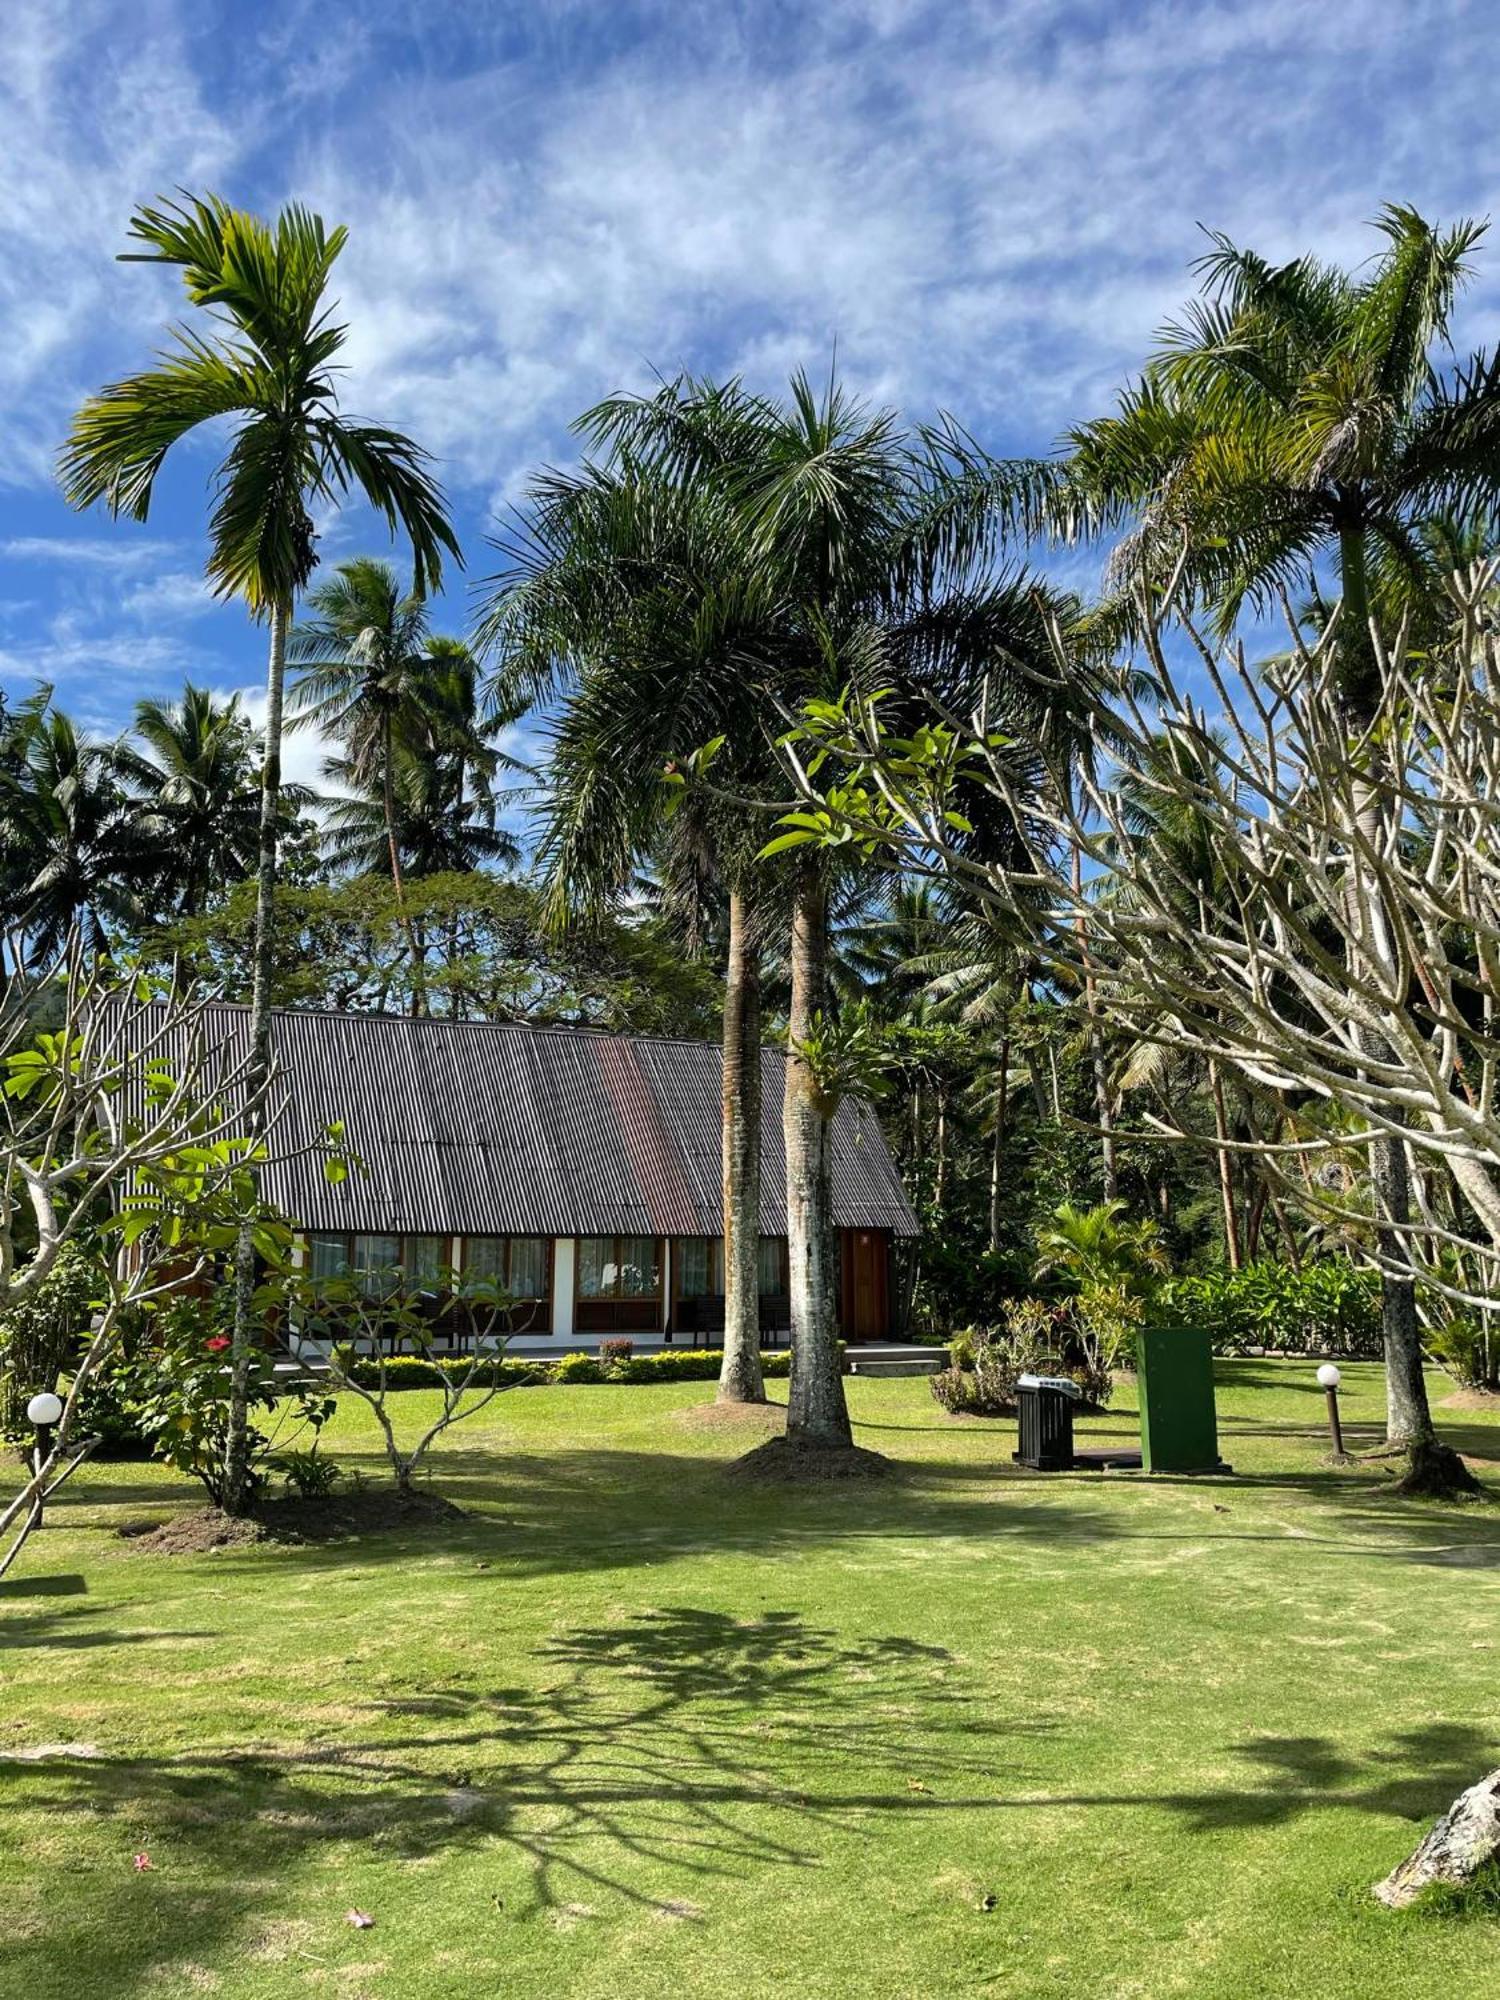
[[564, 1285]]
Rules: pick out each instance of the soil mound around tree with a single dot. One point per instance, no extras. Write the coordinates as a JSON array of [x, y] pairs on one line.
[[342, 1518], [1471, 1399], [780, 1462]]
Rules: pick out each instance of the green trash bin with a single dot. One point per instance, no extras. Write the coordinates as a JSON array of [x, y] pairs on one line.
[[1175, 1376]]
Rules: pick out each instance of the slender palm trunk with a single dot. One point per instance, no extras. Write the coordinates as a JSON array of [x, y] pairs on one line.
[[1103, 1109], [398, 880], [1226, 1169], [740, 1378], [940, 1152], [997, 1140], [816, 1412], [237, 1493]]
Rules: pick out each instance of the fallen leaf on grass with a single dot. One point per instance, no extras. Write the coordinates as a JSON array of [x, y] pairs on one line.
[[359, 1919], [916, 1785]]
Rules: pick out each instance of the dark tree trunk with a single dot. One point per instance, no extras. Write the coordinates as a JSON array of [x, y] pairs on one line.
[[740, 1378], [997, 1141], [816, 1411]]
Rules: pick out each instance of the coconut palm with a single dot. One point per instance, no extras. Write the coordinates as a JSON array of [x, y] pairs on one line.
[[264, 368], [744, 555], [75, 850], [630, 596], [361, 661], [192, 767]]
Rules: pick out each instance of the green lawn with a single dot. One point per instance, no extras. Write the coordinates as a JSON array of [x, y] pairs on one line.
[[634, 1729]]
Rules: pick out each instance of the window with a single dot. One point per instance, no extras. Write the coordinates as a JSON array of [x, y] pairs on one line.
[[427, 1263], [377, 1264], [773, 1271], [526, 1276], [619, 1267], [517, 1265], [328, 1256], [699, 1263]]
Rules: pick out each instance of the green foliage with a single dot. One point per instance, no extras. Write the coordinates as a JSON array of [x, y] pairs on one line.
[[1479, 1896], [578, 1368], [667, 1364], [180, 1388], [309, 1475], [1467, 1348], [1094, 1248], [39, 1335], [1037, 1337], [1330, 1307]]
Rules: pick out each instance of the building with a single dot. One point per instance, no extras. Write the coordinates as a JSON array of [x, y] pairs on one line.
[[579, 1170]]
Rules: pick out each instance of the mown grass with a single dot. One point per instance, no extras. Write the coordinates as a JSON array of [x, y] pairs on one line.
[[634, 1729]]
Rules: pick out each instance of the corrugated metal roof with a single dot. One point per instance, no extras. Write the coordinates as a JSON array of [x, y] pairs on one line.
[[478, 1127]]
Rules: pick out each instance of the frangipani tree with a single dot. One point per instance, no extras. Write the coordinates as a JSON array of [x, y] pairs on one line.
[[264, 370]]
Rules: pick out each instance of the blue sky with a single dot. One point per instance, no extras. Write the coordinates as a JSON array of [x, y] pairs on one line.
[[988, 206]]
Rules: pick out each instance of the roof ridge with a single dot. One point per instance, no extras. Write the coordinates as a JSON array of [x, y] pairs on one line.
[[580, 1028]]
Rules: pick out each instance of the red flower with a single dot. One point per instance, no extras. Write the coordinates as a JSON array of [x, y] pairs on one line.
[[217, 1343]]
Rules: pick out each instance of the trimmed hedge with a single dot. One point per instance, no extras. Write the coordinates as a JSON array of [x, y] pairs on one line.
[[669, 1364], [1329, 1307]]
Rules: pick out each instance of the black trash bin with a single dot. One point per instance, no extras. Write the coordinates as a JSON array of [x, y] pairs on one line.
[[1046, 1425]]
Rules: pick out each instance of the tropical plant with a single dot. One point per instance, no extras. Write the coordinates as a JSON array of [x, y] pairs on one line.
[[192, 769], [75, 853], [1091, 1248], [267, 368]]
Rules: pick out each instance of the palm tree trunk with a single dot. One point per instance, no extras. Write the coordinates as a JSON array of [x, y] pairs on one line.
[[398, 883], [997, 1141], [816, 1411], [740, 1378], [1103, 1109], [940, 1151], [237, 1494], [1226, 1169]]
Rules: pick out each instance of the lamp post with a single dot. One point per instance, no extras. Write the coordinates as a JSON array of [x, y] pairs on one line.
[[42, 1412], [1328, 1381]]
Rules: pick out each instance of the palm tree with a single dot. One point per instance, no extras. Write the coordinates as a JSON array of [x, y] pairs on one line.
[[361, 665], [1294, 417], [747, 555], [75, 850], [1093, 1248], [630, 595], [192, 767], [266, 368]]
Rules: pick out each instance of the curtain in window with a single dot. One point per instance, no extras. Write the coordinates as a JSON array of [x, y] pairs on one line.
[[772, 1261], [377, 1261], [328, 1256], [528, 1267], [484, 1259], [700, 1267], [596, 1267]]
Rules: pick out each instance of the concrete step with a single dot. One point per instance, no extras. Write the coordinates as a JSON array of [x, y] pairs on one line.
[[915, 1364]]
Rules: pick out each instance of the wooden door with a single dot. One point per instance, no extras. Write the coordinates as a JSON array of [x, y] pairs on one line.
[[866, 1286]]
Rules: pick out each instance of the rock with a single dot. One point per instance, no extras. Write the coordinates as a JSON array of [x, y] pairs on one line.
[[1467, 1835]]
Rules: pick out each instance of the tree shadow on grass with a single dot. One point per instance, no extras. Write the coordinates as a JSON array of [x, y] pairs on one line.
[[678, 1747]]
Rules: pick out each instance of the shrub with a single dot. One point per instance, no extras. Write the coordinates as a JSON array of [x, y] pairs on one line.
[[577, 1368], [38, 1338], [1467, 1349], [180, 1384], [613, 1352], [310, 1476], [1329, 1307]]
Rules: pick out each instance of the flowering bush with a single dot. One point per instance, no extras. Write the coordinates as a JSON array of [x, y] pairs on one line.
[[613, 1353], [179, 1384]]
